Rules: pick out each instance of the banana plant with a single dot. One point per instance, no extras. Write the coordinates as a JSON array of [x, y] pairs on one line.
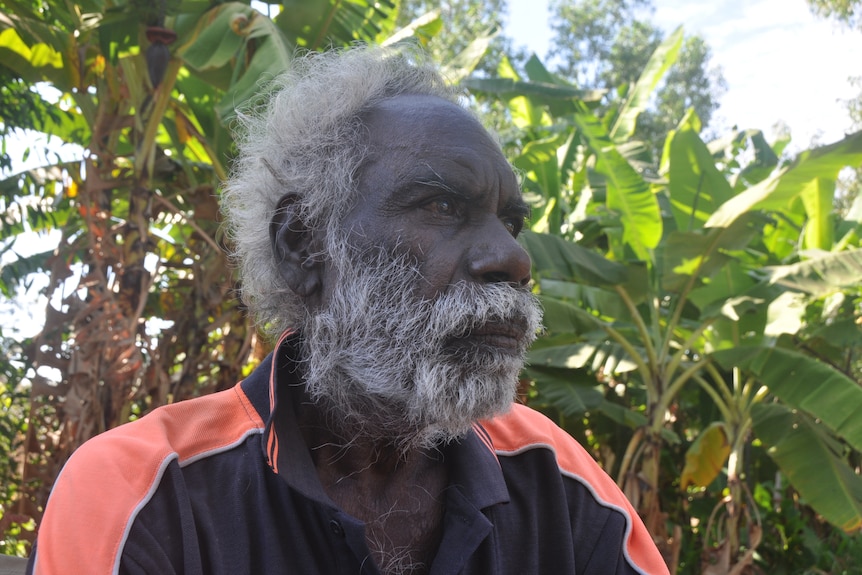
[[720, 320], [686, 279]]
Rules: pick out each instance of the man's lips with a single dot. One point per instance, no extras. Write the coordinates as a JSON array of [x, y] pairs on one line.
[[505, 336]]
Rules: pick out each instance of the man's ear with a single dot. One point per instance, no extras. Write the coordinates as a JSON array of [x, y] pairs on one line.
[[292, 245]]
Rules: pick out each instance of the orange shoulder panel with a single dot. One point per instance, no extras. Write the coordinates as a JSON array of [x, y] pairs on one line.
[[523, 429], [111, 477]]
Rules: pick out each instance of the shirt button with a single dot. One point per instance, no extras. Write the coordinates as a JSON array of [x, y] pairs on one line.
[[336, 527]]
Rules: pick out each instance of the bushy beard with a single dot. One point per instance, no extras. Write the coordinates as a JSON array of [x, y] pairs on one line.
[[391, 366]]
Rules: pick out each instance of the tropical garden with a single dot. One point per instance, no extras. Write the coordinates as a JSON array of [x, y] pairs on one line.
[[703, 315]]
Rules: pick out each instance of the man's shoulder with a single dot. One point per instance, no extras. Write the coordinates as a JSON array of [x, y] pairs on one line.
[[126, 462], [187, 430], [524, 428], [108, 480]]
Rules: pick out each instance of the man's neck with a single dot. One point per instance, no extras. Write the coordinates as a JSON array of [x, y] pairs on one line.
[[397, 493]]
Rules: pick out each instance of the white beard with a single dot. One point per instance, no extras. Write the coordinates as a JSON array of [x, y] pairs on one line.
[[390, 366]]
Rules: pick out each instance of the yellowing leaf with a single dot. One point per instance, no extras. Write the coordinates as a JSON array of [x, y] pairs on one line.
[[706, 456], [38, 55], [98, 65], [182, 129], [10, 39], [44, 55]]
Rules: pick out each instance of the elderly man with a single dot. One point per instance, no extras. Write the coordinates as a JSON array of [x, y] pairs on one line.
[[375, 222]]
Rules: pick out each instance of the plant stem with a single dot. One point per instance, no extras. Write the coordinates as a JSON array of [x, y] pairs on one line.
[[674, 362], [729, 396], [652, 359], [670, 392], [626, 462], [723, 406]]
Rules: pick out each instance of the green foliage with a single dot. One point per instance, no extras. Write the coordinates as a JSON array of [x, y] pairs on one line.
[[465, 36], [814, 463], [460, 21], [796, 542], [14, 404], [848, 12], [606, 44], [600, 41], [704, 275]]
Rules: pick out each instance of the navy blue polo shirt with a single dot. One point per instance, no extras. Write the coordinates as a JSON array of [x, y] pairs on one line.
[[225, 485]]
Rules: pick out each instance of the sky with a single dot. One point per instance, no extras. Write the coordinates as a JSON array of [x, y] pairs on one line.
[[781, 63]]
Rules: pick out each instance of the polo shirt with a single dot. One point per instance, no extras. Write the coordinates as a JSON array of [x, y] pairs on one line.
[[224, 484]]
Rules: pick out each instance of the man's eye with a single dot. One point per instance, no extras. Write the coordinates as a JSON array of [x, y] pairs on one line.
[[514, 225], [442, 206]]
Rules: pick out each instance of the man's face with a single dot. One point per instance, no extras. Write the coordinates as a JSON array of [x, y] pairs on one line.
[[436, 185], [425, 318]]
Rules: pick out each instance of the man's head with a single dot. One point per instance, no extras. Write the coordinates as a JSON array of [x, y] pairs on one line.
[[400, 250], [308, 141]]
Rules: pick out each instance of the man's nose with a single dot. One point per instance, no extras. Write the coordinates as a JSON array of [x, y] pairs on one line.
[[498, 257]]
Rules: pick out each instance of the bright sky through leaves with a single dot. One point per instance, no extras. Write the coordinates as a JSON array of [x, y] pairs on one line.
[[780, 61]]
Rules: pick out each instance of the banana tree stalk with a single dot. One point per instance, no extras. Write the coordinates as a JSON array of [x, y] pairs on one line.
[[729, 396], [668, 394], [677, 357], [651, 367], [681, 300], [629, 454], [723, 406], [146, 156]]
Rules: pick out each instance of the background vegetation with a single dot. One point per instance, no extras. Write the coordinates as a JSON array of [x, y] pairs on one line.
[[703, 309]]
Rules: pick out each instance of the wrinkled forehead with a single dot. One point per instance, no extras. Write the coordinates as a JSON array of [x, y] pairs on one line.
[[419, 136], [417, 117]]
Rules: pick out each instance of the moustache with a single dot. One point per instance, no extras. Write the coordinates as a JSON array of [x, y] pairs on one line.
[[485, 317]]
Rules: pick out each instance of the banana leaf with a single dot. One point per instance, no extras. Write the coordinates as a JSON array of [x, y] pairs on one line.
[[801, 382], [813, 462]]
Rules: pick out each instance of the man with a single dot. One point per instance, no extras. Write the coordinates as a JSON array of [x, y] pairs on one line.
[[375, 222]]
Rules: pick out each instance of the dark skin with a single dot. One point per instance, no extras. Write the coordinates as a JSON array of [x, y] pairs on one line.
[[436, 185]]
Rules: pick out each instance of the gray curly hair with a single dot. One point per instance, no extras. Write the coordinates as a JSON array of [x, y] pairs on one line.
[[307, 139]]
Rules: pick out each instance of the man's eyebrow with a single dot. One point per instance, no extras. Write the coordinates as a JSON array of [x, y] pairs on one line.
[[434, 180], [517, 206]]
